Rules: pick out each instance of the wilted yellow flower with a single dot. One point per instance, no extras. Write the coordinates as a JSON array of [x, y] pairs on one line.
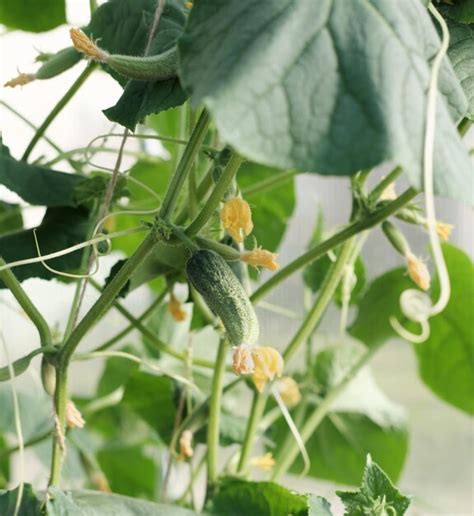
[[268, 364], [444, 230], [418, 271], [265, 462], [175, 308], [74, 418], [83, 44], [261, 258], [242, 361], [20, 80], [185, 445], [289, 391], [236, 218], [389, 194], [188, 5]]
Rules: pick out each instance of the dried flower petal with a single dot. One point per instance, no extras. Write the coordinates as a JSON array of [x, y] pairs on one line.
[[236, 218], [185, 445], [268, 364], [20, 80], [264, 462], [444, 230], [418, 271], [175, 308], [82, 43], [242, 361], [74, 418], [289, 391], [261, 258]]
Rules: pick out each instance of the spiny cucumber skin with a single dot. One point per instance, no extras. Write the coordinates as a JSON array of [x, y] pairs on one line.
[[59, 63], [159, 67], [218, 285]]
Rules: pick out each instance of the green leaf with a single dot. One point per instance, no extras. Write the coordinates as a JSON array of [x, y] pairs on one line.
[[123, 28], [115, 373], [331, 87], [238, 497], [5, 466], [271, 209], [30, 504], [445, 358], [461, 54], [377, 494], [37, 185], [129, 471], [60, 228], [362, 420], [459, 10], [11, 218], [152, 398], [318, 506], [20, 365], [94, 503], [94, 187], [26, 15]]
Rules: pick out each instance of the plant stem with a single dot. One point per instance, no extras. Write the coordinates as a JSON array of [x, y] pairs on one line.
[[214, 199], [214, 415], [59, 446], [386, 181], [12, 283], [330, 283], [319, 250], [289, 450], [58, 108], [270, 183], [256, 412], [184, 165]]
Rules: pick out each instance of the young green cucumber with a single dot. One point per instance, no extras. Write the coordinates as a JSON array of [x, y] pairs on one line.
[[59, 63], [210, 275]]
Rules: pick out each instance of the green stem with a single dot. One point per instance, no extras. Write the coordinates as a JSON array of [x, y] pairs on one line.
[[185, 164], [464, 126], [59, 446], [256, 412], [12, 283], [214, 415], [268, 184], [215, 198], [58, 108], [386, 181], [328, 288], [319, 250], [289, 451], [202, 190]]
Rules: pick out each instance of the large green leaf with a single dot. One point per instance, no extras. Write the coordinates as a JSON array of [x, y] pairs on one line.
[[329, 87], [94, 503], [377, 494], [238, 497], [27, 15], [11, 218], [362, 420], [445, 359], [461, 54], [60, 228], [458, 10], [272, 209], [30, 504], [123, 28], [129, 470], [37, 185], [115, 373]]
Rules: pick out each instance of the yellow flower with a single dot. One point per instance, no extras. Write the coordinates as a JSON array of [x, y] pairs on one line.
[[418, 271], [82, 43], [175, 309], [236, 218], [261, 258], [268, 364], [74, 418], [21, 80], [265, 462], [289, 391], [444, 230], [242, 361], [185, 445], [188, 5]]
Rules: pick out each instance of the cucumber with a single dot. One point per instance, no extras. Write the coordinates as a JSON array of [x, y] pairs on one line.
[[210, 275], [59, 63]]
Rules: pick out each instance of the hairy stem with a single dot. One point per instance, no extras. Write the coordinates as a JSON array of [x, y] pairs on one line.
[[58, 108]]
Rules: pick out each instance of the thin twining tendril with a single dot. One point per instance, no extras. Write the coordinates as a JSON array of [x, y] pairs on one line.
[[409, 301], [293, 429]]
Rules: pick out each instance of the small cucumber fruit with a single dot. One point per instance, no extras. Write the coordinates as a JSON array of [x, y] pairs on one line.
[[59, 63], [210, 275]]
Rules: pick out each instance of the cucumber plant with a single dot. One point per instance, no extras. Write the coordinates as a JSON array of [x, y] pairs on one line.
[[247, 97]]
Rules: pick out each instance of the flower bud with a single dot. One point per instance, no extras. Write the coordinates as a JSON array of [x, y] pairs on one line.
[[268, 364], [236, 218], [261, 258], [264, 462], [175, 308], [185, 445], [444, 230], [74, 418], [289, 391], [418, 271], [242, 361]]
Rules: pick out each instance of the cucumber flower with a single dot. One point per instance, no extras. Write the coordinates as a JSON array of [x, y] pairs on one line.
[[185, 445], [236, 218], [175, 308], [74, 418], [261, 258], [444, 230], [20, 80], [418, 271], [264, 462], [268, 364], [242, 361], [289, 391]]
